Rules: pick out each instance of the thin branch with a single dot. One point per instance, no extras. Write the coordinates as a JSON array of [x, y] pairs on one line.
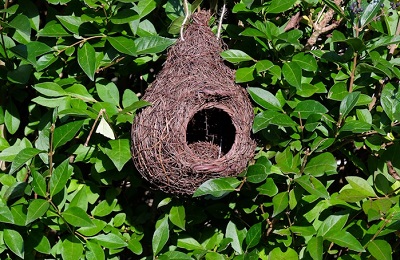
[[322, 26], [221, 18], [94, 125], [186, 8]]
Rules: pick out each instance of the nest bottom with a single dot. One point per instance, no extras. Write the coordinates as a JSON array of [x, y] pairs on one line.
[[206, 150]]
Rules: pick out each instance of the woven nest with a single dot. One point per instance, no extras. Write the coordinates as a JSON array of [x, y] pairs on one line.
[[198, 126]]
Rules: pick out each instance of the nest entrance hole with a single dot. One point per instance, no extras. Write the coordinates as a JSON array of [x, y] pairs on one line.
[[210, 133]]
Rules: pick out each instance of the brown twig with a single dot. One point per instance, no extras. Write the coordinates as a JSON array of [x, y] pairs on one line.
[[322, 26], [392, 171], [393, 47]]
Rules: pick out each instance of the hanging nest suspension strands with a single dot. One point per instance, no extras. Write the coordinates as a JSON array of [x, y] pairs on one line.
[[198, 126]]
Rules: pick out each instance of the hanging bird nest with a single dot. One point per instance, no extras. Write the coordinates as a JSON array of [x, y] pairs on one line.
[[198, 126]]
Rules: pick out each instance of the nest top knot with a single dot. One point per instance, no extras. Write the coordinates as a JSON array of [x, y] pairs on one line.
[[201, 18], [199, 44]]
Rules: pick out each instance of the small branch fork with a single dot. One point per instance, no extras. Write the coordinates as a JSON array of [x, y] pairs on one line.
[[322, 26]]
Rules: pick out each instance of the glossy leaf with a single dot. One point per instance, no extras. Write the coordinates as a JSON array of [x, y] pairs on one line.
[[292, 73], [23, 157], [160, 236], [235, 56], [370, 12], [267, 117], [177, 216], [348, 103], [313, 186], [12, 119], [380, 249], [77, 217], [236, 235], [66, 132], [309, 107], [14, 242], [59, 178], [110, 241], [277, 6], [36, 209], [390, 101], [265, 99], [280, 202], [315, 247], [244, 75], [361, 185], [119, 153], [123, 44], [253, 235], [345, 239], [217, 187], [152, 44], [6, 215], [72, 248], [320, 164], [269, 188], [87, 59]]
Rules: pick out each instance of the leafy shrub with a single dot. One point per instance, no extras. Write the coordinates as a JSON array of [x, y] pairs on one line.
[[324, 79]]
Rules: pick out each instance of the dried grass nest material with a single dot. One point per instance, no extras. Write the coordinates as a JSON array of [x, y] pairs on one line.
[[198, 126]]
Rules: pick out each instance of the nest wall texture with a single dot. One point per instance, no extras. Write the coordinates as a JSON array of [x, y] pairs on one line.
[[194, 80]]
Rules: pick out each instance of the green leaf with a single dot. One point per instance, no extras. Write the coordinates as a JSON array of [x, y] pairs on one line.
[[136, 105], [313, 186], [152, 44], [104, 208], [14, 242], [345, 239], [380, 249], [119, 153], [123, 44], [348, 103], [253, 235], [244, 75], [50, 89], [370, 12], [12, 118], [269, 188], [124, 16], [235, 56], [59, 178], [177, 216], [39, 184], [315, 247], [145, 7], [309, 107], [176, 255], [320, 164], [277, 254], [265, 99], [5, 214], [79, 91], [77, 217], [280, 202], [257, 173], [292, 72], [355, 126], [108, 91], [87, 60], [217, 187], [332, 224], [189, 243], [110, 240], [23, 157], [303, 231], [72, 23], [66, 132], [361, 185], [39, 242], [53, 29], [236, 235], [278, 6], [95, 251], [23, 28], [267, 117], [71, 248], [93, 230], [351, 195], [305, 61], [390, 101], [36, 209], [160, 236], [135, 246]]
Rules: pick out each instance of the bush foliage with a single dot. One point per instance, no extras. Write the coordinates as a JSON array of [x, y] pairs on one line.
[[324, 78]]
